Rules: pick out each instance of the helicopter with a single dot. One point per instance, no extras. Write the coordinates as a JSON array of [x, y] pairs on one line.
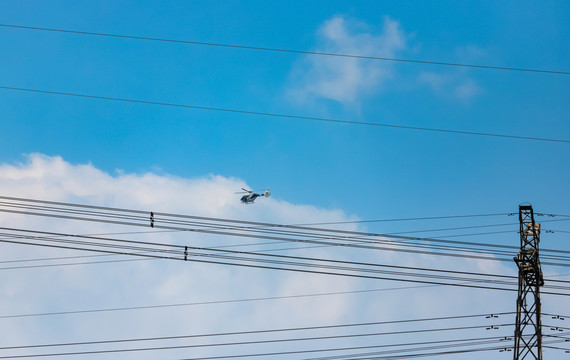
[[251, 196]]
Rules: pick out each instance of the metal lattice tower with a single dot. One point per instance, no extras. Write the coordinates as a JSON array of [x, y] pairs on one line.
[[528, 330]]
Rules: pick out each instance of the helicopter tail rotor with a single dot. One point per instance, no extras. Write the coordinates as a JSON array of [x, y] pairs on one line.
[[267, 193]]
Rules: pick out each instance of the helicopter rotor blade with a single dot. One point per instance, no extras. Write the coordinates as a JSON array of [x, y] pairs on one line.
[[245, 191]]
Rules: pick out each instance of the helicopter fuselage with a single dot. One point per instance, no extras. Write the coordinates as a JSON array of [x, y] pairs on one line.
[[250, 198]]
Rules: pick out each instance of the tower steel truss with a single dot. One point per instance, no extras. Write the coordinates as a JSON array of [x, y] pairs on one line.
[[528, 330]]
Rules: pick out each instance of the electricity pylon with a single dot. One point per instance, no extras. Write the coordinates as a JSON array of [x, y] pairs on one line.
[[528, 330]]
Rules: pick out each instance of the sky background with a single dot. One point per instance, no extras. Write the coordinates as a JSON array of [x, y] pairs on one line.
[[192, 161]]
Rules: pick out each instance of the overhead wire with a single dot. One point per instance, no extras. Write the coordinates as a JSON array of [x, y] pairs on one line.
[[410, 353], [451, 228], [247, 226], [562, 231], [275, 265], [220, 256], [440, 247], [218, 250], [215, 302], [217, 247], [390, 332], [469, 249], [416, 347], [318, 266], [316, 53], [285, 232], [258, 341], [408, 350], [235, 343], [274, 353], [284, 116], [557, 315], [269, 49], [181, 248], [219, 227], [70, 264], [399, 219]]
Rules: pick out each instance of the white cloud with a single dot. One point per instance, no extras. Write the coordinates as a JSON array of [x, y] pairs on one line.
[[145, 282], [454, 85], [346, 80], [158, 282], [467, 90], [435, 81], [314, 80], [471, 53]]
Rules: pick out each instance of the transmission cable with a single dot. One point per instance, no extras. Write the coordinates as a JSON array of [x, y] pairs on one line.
[[255, 228], [330, 337], [294, 230], [400, 219], [412, 348], [285, 116], [308, 268], [215, 302], [304, 52], [299, 329]]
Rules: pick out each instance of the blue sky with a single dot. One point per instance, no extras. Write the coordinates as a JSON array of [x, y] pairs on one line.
[[326, 164], [325, 170]]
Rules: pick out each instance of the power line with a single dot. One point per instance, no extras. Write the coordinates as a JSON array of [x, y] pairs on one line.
[[320, 243], [230, 257], [69, 264], [449, 229], [9, 236], [469, 249], [299, 329], [226, 260], [213, 251], [412, 354], [284, 116], [154, 232], [288, 263], [496, 339], [357, 242], [401, 219], [214, 302], [305, 52], [216, 250], [258, 253], [235, 343], [296, 234], [141, 218], [408, 350], [557, 316], [562, 231], [126, 247]]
